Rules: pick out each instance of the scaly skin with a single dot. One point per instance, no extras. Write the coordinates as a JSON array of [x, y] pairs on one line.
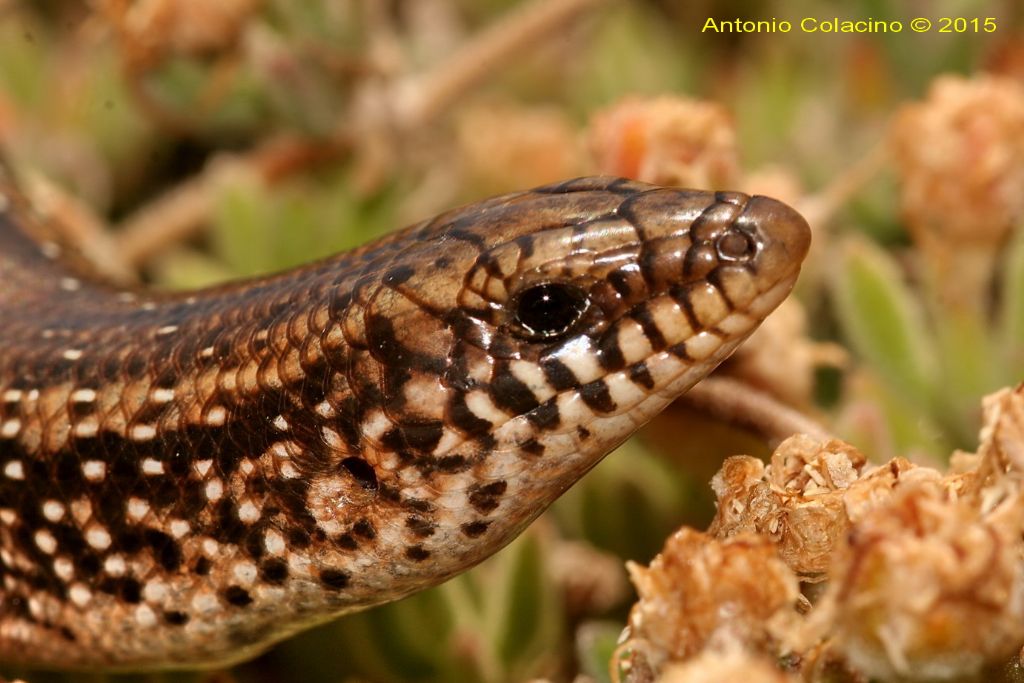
[[187, 478]]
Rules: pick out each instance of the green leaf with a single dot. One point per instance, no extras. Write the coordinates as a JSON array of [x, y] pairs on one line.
[[628, 504], [883, 321], [596, 642], [971, 367], [243, 225]]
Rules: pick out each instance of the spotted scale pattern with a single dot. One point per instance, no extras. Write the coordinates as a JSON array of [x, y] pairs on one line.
[[187, 478]]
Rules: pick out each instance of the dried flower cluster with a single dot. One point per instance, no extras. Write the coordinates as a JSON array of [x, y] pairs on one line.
[[960, 155], [668, 141], [912, 573], [152, 30]]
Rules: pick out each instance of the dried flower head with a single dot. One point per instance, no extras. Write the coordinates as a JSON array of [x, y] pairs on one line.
[[701, 592], [801, 501], [505, 147], [716, 667], [667, 140], [151, 30], [960, 155], [926, 587]]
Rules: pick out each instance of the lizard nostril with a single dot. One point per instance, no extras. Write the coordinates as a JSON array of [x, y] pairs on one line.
[[735, 246]]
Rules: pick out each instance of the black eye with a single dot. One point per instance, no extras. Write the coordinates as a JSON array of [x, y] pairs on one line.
[[735, 246], [549, 310]]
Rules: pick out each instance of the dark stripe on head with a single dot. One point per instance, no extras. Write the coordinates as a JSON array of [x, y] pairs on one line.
[[609, 351], [510, 394], [595, 394], [558, 374], [641, 376], [650, 328], [545, 416]]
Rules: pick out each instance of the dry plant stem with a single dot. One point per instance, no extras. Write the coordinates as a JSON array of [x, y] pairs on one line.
[[184, 209], [819, 209], [421, 98], [742, 405], [77, 225]]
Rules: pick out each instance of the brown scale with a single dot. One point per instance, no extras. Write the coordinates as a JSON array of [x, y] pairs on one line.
[[187, 478]]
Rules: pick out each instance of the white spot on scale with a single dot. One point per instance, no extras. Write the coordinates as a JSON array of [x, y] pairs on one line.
[[33, 395], [162, 395], [64, 568], [137, 508], [216, 416], [97, 537], [210, 547], [53, 510], [8, 517], [167, 329], [273, 541], [115, 565], [81, 510], [332, 438], [72, 354], [202, 467], [12, 396], [245, 572], [214, 490], [50, 250], [143, 432], [288, 471], [144, 616], [207, 352], [148, 306], [45, 541], [70, 284], [248, 513], [83, 395], [94, 470], [375, 425], [10, 429], [79, 594], [14, 470], [87, 428], [280, 423], [152, 467], [205, 602], [154, 591], [179, 528]]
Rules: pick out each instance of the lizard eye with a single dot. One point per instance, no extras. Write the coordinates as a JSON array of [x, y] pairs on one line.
[[549, 310]]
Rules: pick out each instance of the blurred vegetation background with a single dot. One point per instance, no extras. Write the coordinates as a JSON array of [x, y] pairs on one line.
[[182, 142]]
